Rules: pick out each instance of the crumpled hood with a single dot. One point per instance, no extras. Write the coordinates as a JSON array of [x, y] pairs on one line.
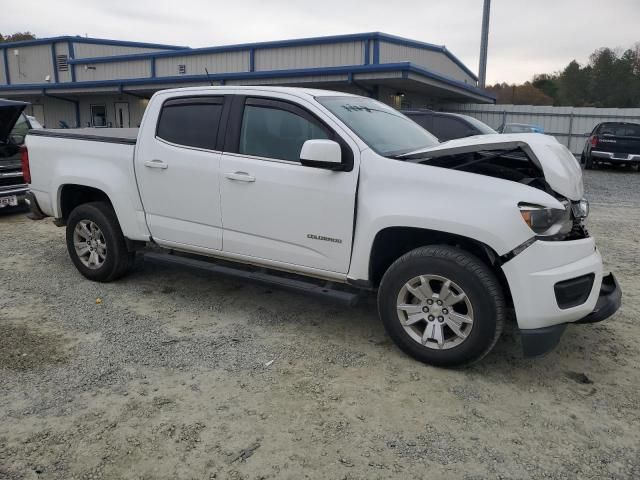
[[561, 169]]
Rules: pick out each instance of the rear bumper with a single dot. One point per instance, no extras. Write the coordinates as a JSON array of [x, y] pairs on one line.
[[538, 341], [20, 190], [616, 157]]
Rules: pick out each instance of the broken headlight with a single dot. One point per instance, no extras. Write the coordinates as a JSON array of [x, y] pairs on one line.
[[547, 222]]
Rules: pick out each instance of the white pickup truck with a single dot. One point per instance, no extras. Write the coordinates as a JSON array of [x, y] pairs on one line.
[[341, 192]]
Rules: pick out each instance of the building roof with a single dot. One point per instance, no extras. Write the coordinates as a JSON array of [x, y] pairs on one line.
[[96, 41]]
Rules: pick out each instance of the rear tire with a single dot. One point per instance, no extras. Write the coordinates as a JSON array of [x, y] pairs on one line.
[[588, 162], [467, 323], [96, 244]]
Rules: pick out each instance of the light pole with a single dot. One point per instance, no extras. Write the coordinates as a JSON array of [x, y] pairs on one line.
[[484, 41]]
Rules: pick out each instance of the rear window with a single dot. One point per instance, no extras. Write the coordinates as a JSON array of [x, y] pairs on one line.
[[192, 122], [619, 129]]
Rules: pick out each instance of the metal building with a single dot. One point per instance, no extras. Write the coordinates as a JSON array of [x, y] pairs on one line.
[[77, 81]]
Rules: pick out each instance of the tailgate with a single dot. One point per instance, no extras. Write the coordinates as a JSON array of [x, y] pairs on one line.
[[616, 144]]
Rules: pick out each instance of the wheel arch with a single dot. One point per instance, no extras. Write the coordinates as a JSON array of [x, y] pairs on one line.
[[391, 243]]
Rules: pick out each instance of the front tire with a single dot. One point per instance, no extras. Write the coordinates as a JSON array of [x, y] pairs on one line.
[[96, 244], [442, 306]]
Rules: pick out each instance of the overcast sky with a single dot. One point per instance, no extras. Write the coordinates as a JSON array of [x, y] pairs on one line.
[[526, 37]]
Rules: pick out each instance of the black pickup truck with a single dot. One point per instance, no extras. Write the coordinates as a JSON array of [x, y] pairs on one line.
[[615, 143], [14, 126]]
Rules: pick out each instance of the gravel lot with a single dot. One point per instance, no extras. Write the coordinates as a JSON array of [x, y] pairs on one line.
[[166, 374]]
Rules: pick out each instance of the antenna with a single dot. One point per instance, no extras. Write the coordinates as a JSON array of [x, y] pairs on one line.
[[208, 78]]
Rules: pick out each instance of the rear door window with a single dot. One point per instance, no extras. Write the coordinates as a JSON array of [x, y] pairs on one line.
[[191, 121]]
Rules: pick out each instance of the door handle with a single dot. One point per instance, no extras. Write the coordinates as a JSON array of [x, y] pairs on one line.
[[156, 164], [240, 176]]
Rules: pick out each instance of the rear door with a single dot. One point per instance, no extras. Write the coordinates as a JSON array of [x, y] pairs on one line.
[[273, 207], [622, 139], [447, 128], [178, 173]]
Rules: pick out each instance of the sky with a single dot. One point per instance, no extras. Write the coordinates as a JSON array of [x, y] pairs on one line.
[[526, 36]]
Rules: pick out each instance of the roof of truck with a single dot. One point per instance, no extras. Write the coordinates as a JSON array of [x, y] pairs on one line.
[[298, 91]]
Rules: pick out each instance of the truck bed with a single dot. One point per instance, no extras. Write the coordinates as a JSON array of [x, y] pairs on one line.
[[127, 136]]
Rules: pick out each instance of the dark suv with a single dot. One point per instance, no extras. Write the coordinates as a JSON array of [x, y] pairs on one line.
[[615, 143], [447, 126], [14, 127]]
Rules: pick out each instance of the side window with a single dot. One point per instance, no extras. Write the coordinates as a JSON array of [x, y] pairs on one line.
[[425, 121], [192, 122], [447, 128], [21, 128], [272, 132]]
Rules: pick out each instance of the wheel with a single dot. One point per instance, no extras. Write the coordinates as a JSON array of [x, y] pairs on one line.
[[442, 305], [96, 244], [588, 163]]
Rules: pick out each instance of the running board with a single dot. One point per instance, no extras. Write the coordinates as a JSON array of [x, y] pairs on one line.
[[261, 276]]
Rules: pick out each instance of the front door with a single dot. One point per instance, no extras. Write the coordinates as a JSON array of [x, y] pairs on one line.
[[273, 207], [122, 114], [178, 173]]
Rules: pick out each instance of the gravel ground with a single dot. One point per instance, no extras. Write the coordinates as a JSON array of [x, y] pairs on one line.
[[170, 373]]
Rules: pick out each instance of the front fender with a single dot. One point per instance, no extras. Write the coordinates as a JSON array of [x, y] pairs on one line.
[[393, 193]]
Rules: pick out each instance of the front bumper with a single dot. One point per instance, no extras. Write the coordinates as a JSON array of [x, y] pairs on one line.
[[538, 341], [533, 275]]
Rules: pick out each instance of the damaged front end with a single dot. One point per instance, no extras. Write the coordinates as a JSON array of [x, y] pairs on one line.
[[537, 161]]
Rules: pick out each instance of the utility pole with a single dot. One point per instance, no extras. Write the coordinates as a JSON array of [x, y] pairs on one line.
[[484, 41]]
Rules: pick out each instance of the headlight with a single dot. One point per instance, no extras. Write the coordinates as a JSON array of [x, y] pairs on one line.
[[546, 222], [580, 209]]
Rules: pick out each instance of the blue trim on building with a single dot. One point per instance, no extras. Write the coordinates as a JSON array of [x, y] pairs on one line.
[[367, 45], [7, 77], [72, 55], [221, 77], [98, 41], [376, 51], [252, 60], [54, 64]]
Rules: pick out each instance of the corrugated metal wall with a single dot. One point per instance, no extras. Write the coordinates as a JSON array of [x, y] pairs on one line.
[[196, 64], [113, 70], [310, 56], [30, 64], [435, 61], [570, 125], [90, 50]]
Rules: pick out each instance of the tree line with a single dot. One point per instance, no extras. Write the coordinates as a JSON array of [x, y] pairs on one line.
[[17, 37], [611, 78]]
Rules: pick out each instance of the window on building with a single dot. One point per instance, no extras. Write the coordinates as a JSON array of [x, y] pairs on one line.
[[98, 116], [182, 69], [275, 133], [192, 122]]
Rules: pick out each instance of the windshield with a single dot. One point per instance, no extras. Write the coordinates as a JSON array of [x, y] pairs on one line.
[[384, 129]]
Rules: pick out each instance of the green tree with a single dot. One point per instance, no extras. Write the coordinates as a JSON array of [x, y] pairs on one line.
[[16, 37]]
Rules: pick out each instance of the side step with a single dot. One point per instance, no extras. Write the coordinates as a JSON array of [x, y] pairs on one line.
[[320, 288]]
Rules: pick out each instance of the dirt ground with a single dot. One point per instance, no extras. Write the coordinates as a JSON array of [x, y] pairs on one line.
[[170, 373]]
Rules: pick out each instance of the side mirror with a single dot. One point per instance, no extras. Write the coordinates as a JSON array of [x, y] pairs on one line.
[[321, 154]]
